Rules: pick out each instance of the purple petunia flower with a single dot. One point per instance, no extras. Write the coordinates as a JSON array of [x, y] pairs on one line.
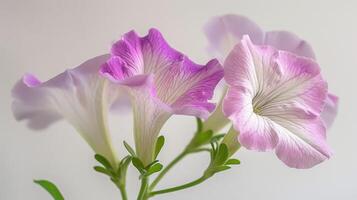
[[79, 95], [161, 82]]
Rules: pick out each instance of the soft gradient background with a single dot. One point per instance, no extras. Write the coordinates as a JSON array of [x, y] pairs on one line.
[[46, 36]]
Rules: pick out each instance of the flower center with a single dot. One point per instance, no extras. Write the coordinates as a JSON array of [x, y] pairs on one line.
[[257, 109]]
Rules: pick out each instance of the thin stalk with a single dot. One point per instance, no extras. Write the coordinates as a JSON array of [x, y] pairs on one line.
[[167, 169], [144, 188], [172, 164], [181, 187], [122, 189]]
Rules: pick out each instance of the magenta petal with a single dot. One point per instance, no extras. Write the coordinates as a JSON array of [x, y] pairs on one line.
[[178, 82], [161, 81]]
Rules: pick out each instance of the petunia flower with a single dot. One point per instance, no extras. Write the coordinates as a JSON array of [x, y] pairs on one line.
[[224, 32], [275, 100], [79, 95], [161, 82]]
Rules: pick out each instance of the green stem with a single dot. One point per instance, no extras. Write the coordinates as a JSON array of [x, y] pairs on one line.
[[144, 188], [122, 191], [173, 163], [181, 187], [167, 168]]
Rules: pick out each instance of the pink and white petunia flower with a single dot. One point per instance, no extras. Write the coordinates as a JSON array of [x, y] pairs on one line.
[[275, 100], [224, 32], [78, 95], [161, 82]]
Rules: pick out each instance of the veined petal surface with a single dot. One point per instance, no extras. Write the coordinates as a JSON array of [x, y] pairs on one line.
[[162, 82], [275, 100], [77, 95]]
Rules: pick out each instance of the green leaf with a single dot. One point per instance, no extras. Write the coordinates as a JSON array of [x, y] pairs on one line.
[[50, 188], [214, 149], [232, 161], [221, 168], [155, 168], [222, 154], [151, 164], [103, 161], [203, 137], [124, 163], [159, 144], [216, 138], [129, 149], [199, 124], [138, 164], [102, 170]]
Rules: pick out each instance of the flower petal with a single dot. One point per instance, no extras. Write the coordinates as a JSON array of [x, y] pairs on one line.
[[301, 144], [161, 82], [287, 41], [188, 86], [256, 132], [77, 95], [275, 100], [329, 112], [149, 112], [224, 32], [179, 82]]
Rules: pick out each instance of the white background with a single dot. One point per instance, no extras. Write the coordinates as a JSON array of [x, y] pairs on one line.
[[46, 36]]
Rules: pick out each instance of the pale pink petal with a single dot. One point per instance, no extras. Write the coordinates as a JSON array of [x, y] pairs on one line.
[[223, 32], [149, 112], [78, 95], [256, 132], [275, 100], [187, 87], [287, 41], [301, 144], [329, 111]]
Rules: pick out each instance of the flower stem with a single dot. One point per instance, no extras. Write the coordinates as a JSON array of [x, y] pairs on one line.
[[144, 188], [173, 163], [181, 187], [167, 168], [122, 191]]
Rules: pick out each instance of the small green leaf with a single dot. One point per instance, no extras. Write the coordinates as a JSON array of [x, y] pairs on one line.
[[103, 161], [216, 138], [199, 124], [50, 188], [222, 154], [214, 149], [159, 144], [102, 170], [232, 161], [151, 164], [155, 168], [129, 149], [122, 169], [138, 164], [221, 168], [203, 137], [125, 161]]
